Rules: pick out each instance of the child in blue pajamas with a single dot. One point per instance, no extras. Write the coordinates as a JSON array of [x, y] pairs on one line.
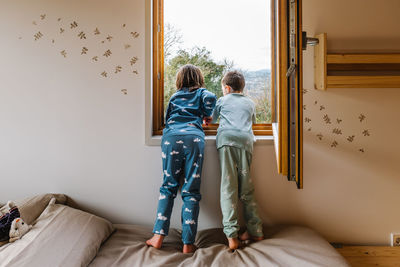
[[182, 153]]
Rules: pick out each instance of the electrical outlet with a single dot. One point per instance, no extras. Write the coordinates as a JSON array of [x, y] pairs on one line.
[[395, 238]]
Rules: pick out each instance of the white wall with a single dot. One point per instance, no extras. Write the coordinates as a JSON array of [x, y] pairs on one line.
[[64, 128]]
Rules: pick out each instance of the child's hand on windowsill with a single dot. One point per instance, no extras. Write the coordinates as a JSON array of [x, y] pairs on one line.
[[207, 120]]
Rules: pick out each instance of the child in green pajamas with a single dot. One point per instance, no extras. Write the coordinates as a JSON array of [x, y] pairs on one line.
[[235, 147]]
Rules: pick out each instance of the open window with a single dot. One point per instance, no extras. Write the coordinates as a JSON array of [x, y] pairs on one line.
[[288, 87], [217, 37], [285, 95]]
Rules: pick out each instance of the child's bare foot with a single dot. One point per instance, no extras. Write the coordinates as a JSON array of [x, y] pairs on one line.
[[233, 243], [156, 241], [246, 236], [189, 248]]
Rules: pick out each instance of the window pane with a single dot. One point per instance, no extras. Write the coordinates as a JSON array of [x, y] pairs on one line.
[[218, 36]]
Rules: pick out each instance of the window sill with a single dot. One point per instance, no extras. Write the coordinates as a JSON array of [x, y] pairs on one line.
[[210, 140]]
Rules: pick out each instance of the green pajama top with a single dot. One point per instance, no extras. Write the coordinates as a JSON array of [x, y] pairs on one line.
[[237, 114]]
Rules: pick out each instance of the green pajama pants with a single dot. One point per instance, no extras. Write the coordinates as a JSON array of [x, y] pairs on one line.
[[236, 183]]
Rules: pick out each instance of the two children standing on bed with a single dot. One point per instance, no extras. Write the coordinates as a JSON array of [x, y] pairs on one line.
[[182, 156]]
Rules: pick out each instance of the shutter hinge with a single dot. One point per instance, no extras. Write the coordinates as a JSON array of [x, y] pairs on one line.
[[158, 28], [159, 75]]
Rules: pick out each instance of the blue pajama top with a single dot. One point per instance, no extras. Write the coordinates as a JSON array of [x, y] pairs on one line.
[[186, 110]]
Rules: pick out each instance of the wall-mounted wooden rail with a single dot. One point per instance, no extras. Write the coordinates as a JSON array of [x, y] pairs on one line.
[[354, 70]]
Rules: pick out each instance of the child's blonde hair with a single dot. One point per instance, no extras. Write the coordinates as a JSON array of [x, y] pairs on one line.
[[189, 76]]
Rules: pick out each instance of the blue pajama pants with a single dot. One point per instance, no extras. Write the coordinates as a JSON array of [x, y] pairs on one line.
[[182, 157]]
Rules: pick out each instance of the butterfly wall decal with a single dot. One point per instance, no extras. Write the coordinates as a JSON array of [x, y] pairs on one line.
[[73, 25], [82, 35], [351, 138], [135, 34], [38, 35], [334, 144], [84, 51], [327, 119], [366, 133], [337, 131], [118, 69], [107, 53], [63, 53]]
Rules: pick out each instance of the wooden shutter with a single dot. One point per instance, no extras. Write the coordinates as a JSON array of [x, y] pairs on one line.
[[288, 88]]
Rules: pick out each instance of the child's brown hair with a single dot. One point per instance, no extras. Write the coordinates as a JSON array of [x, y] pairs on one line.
[[235, 80], [189, 76]]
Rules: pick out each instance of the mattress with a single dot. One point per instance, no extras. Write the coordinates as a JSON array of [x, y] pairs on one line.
[[66, 236], [283, 246]]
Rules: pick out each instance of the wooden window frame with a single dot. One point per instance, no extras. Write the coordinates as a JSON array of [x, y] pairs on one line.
[[158, 123], [288, 126]]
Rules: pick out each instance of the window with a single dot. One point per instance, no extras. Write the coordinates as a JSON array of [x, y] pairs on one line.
[[285, 96], [217, 37]]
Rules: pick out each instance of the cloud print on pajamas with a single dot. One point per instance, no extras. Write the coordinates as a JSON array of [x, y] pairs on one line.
[[161, 217], [180, 164], [196, 140], [163, 155]]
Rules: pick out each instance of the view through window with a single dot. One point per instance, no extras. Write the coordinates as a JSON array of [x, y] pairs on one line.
[[218, 36]]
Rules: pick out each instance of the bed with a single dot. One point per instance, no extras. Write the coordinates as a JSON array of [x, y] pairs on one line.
[[63, 235]]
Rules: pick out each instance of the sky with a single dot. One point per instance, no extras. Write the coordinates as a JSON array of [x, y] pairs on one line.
[[237, 30]]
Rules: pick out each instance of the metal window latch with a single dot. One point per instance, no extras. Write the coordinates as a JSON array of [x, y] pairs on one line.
[[291, 70]]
